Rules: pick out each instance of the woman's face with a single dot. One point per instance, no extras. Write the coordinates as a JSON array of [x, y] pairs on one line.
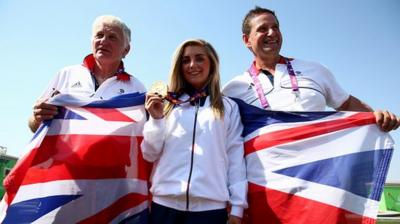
[[195, 66]]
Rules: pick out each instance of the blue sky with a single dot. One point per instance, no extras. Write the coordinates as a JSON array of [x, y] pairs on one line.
[[358, 40]]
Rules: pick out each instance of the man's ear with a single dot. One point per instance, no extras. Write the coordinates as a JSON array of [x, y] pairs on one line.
[[126, 50], [245, 39]]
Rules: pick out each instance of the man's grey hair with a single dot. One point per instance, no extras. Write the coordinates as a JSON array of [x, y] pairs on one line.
[[113, 20]]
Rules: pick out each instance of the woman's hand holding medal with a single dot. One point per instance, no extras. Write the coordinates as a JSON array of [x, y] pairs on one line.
[[155, 99]]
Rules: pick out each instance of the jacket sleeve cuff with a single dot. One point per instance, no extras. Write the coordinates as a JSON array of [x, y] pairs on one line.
[[154, 127], [156, 122], [237, 211]]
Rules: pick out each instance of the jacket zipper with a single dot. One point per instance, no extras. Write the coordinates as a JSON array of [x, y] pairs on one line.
[[192, 154]]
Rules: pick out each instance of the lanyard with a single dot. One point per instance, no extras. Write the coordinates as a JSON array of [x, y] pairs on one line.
[[253, 71]]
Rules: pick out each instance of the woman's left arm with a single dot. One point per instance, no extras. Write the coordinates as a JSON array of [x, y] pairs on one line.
[[237, 181]]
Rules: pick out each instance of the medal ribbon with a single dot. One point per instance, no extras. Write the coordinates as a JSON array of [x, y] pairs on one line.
[[174, 97]]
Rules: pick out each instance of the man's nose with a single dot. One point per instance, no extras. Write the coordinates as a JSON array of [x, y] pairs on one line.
[[103, 38], [271, 32]]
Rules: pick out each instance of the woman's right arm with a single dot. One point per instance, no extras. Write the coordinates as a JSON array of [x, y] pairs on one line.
[[154, 128]]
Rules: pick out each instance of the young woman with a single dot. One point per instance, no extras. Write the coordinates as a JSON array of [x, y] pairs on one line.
[[195, 143]]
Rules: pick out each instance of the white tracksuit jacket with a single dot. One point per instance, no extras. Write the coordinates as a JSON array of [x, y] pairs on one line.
[[198, 159]]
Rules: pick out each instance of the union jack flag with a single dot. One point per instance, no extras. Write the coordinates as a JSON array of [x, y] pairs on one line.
[[83, 166], [314, 167]]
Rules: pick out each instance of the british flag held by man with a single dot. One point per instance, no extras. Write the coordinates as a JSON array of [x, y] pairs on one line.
[[84, 166], [314, 167]]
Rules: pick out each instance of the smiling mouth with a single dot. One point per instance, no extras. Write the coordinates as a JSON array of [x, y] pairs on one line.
[[103, 50], [194, 73], [270, 42]]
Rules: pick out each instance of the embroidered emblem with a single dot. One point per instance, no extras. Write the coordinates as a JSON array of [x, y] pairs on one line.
[[76, 85], [121, 91]]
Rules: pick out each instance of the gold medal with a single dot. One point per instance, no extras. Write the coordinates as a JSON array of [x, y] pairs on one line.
[[159, 87]]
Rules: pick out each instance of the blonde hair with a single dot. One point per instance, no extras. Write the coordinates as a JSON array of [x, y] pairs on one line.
[[177, 82], [115, 21]]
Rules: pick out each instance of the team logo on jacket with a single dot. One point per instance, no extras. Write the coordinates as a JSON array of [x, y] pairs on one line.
[[76, 85]]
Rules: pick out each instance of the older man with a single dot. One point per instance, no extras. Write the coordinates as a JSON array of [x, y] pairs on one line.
[[275, 82], [101, 75]]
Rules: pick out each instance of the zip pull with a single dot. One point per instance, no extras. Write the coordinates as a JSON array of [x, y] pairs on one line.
[[197, 104]]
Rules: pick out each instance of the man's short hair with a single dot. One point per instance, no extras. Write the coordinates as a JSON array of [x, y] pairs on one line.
[[246, 27], [110, 19]]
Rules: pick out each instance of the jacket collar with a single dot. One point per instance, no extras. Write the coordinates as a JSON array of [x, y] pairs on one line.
[[89, 63]]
